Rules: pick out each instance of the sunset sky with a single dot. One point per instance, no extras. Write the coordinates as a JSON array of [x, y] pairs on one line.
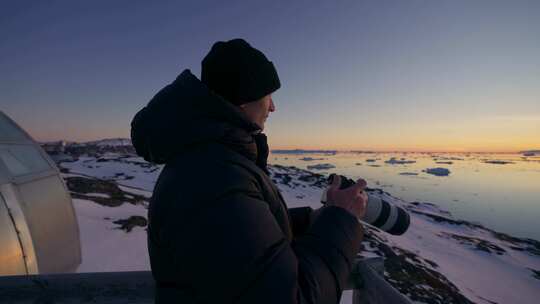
[[372, 75]]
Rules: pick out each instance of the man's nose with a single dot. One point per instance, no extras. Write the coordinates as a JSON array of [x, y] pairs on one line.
[[272, 106]]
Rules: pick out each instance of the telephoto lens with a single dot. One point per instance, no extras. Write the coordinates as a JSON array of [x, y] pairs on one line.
[[379, 213]]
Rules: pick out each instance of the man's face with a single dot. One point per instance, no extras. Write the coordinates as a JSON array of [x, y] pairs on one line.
[[258, 111]]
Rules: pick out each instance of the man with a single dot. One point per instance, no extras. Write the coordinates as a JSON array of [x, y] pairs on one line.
[[219, 230]]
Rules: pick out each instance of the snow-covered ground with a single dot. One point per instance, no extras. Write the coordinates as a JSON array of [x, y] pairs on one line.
[[440, 259], [105, 247]]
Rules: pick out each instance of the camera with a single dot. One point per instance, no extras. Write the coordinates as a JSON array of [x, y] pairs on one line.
[[379, 213]]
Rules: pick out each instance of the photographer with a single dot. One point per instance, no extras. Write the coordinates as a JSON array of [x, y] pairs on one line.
[[219, 230]]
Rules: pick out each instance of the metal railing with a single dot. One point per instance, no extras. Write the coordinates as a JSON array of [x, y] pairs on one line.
[[137, 287]]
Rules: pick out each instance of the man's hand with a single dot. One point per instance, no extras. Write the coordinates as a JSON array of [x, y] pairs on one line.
[[353, 199]]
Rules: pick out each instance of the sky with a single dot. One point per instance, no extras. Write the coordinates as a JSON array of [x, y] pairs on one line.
[[356, 75]]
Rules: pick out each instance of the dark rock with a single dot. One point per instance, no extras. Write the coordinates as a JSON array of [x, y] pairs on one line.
[[80, 186], [284, 178], [477, 243], [439, 219], [316, 180], [131, 222], [410, 274], [406, 272]]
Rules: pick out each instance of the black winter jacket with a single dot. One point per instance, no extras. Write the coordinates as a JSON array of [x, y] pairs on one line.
[[219, 230]]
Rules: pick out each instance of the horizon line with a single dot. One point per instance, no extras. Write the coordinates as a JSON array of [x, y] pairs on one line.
[[319, 150]]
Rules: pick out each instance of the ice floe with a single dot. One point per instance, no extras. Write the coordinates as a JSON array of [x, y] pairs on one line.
[[437, 171]]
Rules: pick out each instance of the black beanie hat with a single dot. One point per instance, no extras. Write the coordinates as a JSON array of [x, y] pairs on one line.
[[238, 72]]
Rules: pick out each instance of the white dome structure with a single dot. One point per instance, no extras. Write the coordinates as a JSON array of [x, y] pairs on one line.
[[39, 232]]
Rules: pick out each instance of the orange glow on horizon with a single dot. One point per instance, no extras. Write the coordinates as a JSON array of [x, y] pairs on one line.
[[503, 148]]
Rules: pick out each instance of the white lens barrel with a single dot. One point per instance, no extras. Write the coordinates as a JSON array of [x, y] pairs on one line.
[[383, 215], [374, 206]]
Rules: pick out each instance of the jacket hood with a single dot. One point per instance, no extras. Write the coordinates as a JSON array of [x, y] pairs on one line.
[[186, 113]]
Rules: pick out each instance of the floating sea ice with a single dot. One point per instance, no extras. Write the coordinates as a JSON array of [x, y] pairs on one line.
[[437, 171], [531, 153], [408, 173], [394, 161], [321, 167], [310, 158], [447, 158], [498, 162]]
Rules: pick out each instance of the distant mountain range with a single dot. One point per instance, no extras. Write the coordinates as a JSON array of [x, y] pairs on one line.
[[109, 142]]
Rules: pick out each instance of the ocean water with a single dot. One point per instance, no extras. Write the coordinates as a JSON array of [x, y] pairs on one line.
[[499, 191]]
